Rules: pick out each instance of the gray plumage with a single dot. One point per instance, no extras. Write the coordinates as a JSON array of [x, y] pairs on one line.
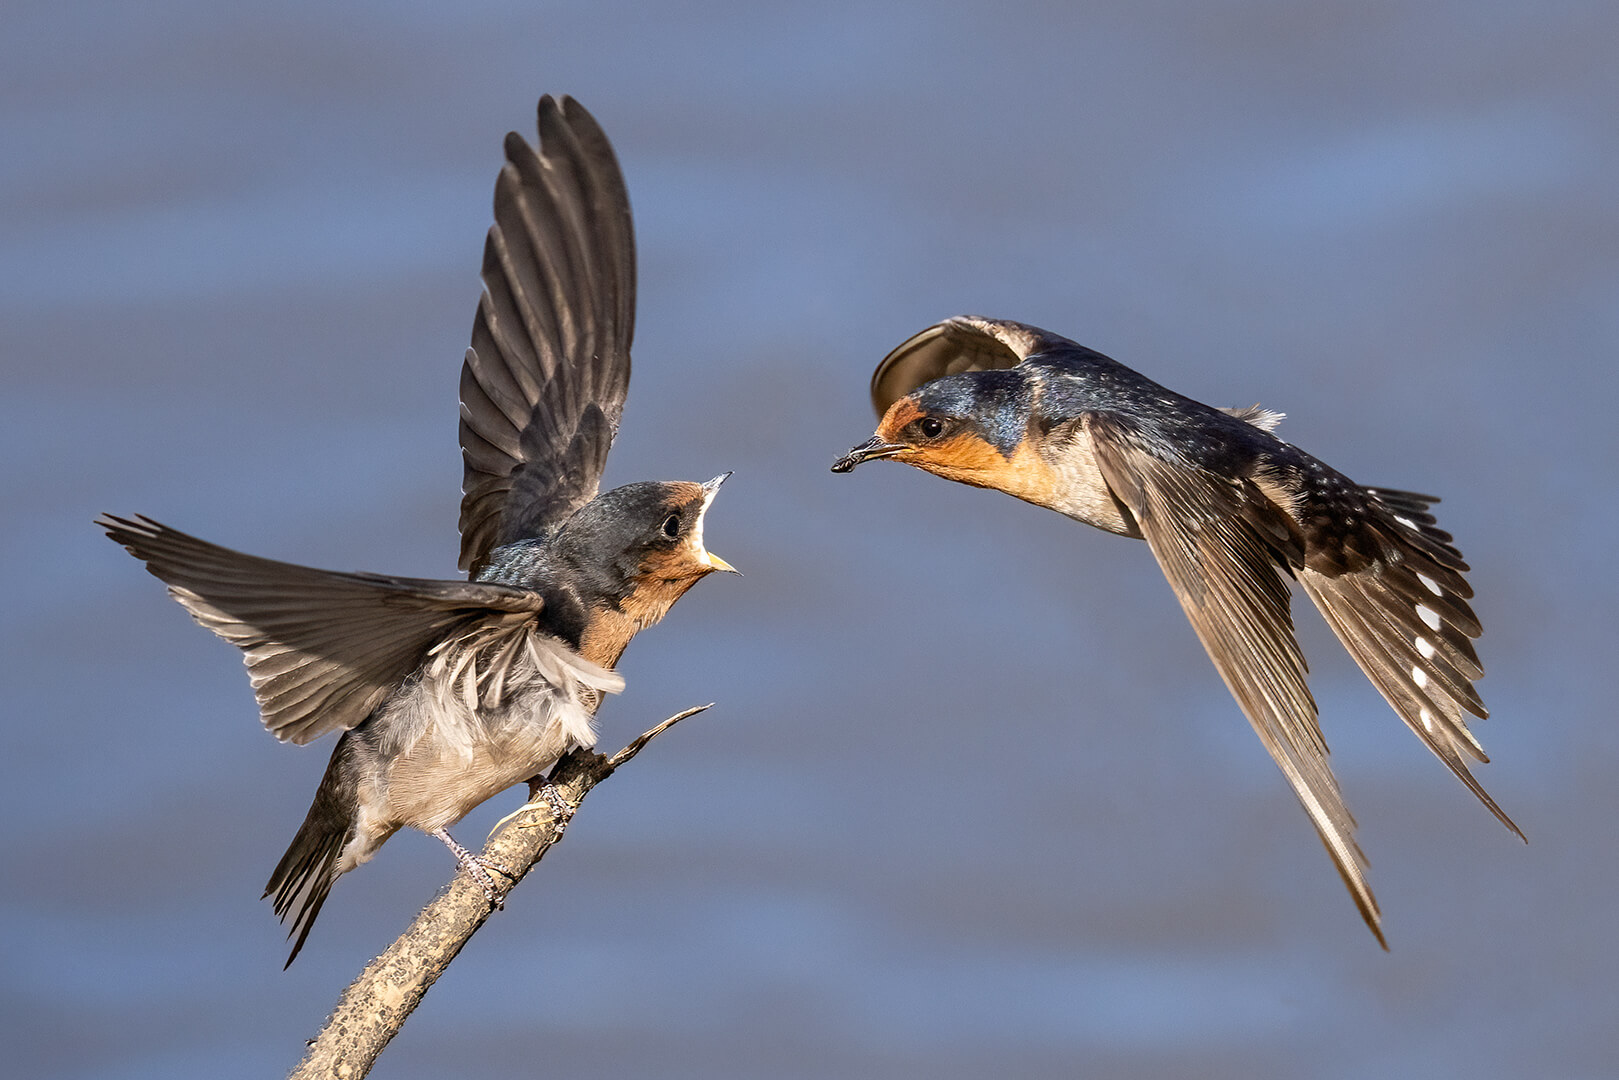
[[447, 692]]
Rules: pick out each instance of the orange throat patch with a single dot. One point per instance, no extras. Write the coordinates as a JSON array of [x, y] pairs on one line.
[[968, 459], [663, 580]]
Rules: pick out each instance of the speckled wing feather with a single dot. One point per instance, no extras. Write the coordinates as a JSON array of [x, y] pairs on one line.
[[322, 648], [544, 381], [1225, 569], [1397, 600]]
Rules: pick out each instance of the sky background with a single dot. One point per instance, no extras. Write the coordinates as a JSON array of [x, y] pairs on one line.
[[972, 801]]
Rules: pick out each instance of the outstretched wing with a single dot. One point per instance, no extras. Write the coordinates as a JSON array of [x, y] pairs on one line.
[[1218, 545], [322, 648], [543, 385]]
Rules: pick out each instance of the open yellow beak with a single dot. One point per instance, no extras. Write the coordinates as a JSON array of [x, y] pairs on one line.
[[711, 489], [720, 564]]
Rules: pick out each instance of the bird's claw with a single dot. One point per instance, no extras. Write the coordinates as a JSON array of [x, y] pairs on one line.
[[479, 868], [546, 797], [561, 809], [549, 798]]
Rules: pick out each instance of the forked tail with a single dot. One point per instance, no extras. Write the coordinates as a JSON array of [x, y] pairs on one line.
[[305, 873]]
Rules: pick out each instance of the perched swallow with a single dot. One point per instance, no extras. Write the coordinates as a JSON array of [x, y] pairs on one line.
[[1228, 509], [448, 692]]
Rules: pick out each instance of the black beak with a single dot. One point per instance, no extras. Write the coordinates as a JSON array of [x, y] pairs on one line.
[[869, 450]]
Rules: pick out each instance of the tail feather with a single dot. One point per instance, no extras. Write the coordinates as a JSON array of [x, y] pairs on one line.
[[1404, 616], [304, 876]]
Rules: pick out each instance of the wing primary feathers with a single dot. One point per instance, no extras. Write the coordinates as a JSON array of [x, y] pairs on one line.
[[613, 219], [322, 648], [551, 341], [1232, 590]]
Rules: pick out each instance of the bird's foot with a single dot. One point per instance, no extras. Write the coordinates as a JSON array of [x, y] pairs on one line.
[[561, 809], [547, 797], [544, 797], [478, 867]]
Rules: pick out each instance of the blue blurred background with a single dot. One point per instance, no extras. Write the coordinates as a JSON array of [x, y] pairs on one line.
[[972, 801]]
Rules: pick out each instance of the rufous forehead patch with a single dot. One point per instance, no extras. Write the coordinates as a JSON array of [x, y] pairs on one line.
[[901, 413], [682, 493]]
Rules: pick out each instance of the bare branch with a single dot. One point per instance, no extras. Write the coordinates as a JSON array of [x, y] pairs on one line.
[[645, 737], [376, 1004]]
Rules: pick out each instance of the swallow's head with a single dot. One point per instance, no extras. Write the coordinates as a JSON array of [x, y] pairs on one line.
[[972, 427], [642, 544]]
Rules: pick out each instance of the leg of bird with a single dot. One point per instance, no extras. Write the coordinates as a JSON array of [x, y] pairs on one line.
[[477, 866]]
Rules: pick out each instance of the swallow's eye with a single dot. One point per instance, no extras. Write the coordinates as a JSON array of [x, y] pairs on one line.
[[671, 526], [931, 427]]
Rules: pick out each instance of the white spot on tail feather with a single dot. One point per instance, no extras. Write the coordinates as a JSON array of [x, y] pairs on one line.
[[1425, 647], [1428, 616], [1419, 677], [1407, 522], [1427, 720], [1430, 584]]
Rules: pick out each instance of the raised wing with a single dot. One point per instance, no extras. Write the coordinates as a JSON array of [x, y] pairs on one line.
[[543, 385], [322, 648], [1219, 546], [953, 346]]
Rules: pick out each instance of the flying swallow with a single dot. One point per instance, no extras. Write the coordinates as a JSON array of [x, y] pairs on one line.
[[1231, 512]]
